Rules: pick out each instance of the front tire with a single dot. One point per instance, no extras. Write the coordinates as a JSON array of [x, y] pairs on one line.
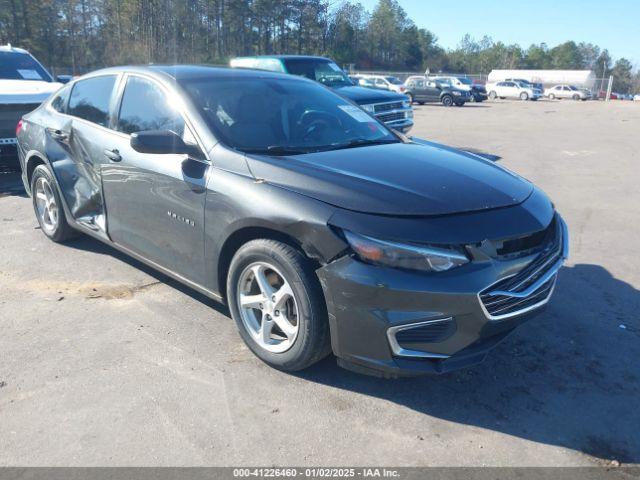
[[524, 96], [277, 303], [552, 96], [576, 97], [447, 100], [410, 98], [48, 207], [493, 95]]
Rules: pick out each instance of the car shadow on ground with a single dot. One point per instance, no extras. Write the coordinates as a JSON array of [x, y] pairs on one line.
[[89, 244], [569, 377], [440, 105], [10, 183]]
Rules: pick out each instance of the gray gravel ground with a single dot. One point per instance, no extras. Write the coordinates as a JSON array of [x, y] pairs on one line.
[[104, 362]]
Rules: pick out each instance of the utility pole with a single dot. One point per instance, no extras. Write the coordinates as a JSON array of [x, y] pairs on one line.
[[609, 88]]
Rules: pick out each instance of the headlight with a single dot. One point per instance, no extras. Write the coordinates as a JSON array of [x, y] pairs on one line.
[[406, 104], [411, 257], [368, 108]]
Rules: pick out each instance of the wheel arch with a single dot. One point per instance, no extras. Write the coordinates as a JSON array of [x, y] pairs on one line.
[[32, 159], [246, 234]]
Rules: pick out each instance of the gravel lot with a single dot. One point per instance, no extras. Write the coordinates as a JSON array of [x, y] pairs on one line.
[[104, 362]]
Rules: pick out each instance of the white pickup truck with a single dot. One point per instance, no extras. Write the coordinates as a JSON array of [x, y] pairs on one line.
[[24, 84]]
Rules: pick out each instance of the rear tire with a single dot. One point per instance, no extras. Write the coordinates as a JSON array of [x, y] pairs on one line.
[[277, 303], [447, 100], [48, 206]]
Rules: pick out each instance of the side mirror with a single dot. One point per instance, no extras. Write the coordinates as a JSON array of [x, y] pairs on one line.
[[160, 142], [64, 78]]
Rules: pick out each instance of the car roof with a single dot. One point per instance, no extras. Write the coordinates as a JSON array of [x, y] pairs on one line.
[[189, 72], [285, 57], [9, 48]]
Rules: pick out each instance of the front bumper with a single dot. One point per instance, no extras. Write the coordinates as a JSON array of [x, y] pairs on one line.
[[479, 96], [391, 323]]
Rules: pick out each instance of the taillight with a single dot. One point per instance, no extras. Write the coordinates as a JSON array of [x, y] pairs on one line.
[[402, 89], [18, 127]]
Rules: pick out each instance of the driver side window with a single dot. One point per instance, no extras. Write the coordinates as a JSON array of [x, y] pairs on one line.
[[146, 107]]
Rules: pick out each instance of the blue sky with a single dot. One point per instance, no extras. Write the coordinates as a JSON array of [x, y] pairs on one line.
[[613, 24]]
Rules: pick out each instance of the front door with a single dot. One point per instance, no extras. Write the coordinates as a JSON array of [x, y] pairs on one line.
[[155, 202]]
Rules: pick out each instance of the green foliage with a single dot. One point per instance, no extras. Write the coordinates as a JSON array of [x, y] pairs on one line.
[[80, 35]]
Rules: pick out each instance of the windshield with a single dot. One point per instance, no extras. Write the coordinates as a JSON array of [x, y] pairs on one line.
[[466, 81], [282, 116], [323, 71], [571, 87], [393, 80], [21, 66]]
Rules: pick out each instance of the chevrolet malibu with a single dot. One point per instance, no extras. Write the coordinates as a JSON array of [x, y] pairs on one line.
[[323, 230]]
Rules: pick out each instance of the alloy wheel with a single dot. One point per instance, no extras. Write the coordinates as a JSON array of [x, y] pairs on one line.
[[268, 307], [46, 204]]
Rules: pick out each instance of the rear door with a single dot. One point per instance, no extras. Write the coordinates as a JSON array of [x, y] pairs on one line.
[[432, 91], [82, 137], [155, 202], [418, 88]]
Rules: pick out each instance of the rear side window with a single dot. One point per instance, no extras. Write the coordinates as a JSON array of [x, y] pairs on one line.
[[59, 102], [90, 99], [146, 107]]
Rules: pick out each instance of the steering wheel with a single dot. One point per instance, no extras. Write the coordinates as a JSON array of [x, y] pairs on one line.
[[314, 122]]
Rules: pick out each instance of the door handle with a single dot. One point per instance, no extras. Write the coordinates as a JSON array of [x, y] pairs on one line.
[[58, 134], [113, 155]]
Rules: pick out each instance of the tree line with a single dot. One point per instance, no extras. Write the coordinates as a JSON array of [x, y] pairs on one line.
[[80, 35]]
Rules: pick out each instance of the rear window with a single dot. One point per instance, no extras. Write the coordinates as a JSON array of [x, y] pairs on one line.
[[90, 99], [59, 102], [320, 70], [22, 66]]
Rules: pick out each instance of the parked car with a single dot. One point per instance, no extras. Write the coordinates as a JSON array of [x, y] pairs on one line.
[[510, 89], [321, 228], [567, 91], [534, 85], [423, 90], [382, 82], [478, 92], [636, 98], [391, 108], [24, 84], [603, 95]]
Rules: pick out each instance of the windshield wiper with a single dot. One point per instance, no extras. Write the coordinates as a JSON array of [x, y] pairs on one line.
[[276, 150], [361, 142]]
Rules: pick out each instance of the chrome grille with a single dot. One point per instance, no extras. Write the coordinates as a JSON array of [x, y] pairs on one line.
[[391, 117], [10, 114], [531, 287], [385, 107]]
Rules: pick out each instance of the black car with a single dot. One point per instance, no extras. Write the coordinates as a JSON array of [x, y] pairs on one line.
[[423, 90], [394, 109], [321, 228]]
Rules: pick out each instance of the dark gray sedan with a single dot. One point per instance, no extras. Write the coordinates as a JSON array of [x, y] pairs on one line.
[[322, 229]]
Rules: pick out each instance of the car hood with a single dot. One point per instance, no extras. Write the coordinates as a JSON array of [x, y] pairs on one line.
[[26, 91], [403, 179], [364, 96]]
